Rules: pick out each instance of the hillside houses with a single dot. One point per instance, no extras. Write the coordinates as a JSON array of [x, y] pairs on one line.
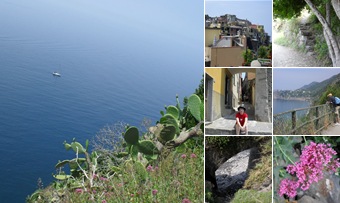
[[227, 37]]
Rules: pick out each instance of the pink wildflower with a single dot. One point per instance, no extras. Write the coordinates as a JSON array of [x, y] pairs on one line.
[[313, 160], [104, 201], [132, 195], [186, 200], [156, 168], [103, 179], [149, 168], [79, 190], [193, 155], [288, 187], [154, 192], [183, 156]]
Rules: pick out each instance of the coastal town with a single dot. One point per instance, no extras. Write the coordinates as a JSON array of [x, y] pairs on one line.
[[299, 94], [231, 41]]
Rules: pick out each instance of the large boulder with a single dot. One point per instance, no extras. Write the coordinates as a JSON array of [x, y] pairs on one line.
[[231, 175]]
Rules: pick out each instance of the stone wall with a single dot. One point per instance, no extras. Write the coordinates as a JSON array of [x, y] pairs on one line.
[[263, 95]]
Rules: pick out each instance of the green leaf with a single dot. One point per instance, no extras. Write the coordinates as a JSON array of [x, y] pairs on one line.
[[151, 157], [87, 145], [115, 169], [62, 163], [122, 154], [61, 177]]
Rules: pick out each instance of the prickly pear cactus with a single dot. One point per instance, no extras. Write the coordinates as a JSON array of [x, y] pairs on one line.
[[147, 147], [167, 133], [131, 135], [172, 110], [195, 107], [169, 119], [77, 147]]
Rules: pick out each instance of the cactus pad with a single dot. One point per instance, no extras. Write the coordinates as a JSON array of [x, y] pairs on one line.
[[131, 136], [147, 147], [168, 133], [77, 147], [194, 104], [172, 110], [168, 119]]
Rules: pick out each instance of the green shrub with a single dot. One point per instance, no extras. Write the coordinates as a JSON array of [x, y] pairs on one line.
[[252, 196]]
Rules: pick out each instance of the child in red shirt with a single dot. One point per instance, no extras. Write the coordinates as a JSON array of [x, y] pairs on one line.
[[241, 121]]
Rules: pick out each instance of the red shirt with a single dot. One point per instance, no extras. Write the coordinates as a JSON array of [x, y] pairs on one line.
[[241, 118]]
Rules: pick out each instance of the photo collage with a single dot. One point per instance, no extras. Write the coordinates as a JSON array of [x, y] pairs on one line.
[[271, 101]]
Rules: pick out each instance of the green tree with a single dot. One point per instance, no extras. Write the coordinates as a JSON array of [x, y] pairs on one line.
[[262, 52], [248, 57], [292, 8]]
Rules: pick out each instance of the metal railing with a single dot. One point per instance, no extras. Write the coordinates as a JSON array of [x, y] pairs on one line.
[[304, 121]]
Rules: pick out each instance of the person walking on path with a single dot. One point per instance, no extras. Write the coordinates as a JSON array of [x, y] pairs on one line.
[[241, 121], [335, 101]]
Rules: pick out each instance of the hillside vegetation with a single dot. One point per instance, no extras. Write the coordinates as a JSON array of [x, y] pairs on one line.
[[128, 164]]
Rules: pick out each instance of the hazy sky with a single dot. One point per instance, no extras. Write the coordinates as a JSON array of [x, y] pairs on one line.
[[294, 78], [257, 12]]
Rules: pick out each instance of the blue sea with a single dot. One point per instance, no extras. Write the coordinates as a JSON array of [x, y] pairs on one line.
[[116, 64], [281, 105]]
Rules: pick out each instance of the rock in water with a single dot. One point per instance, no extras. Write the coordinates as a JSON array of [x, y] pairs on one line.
[[231, 175]]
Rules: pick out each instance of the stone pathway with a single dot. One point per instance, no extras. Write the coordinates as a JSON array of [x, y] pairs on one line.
[[331, 130], [288, 57]]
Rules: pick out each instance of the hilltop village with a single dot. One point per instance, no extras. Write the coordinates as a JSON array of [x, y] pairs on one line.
[[231, 41]]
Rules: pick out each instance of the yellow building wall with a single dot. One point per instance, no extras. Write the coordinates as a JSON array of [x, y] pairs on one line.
[[218, 94], [210, 34], [226, 56], [218, 75]]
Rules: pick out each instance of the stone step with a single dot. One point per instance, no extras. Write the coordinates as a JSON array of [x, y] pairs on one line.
[[306, 32], [310, 43], [224, 126], [304, 24], [309, 48], [211, 131], [310, 53], [312, 37]]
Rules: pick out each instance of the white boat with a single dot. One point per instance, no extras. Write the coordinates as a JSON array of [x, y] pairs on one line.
[[56, 74]]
